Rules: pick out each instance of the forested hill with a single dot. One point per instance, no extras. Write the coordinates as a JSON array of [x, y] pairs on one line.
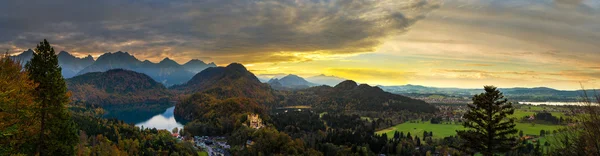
[[350, 96], [290, 82], [225, 82], [117, 86], [224, 94]]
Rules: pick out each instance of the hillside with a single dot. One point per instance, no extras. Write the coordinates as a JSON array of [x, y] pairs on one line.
[[348, 95], [233, 83], [290, 82], [115, 87]]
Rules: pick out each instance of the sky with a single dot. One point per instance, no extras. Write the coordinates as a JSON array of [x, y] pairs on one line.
[[440, 43]]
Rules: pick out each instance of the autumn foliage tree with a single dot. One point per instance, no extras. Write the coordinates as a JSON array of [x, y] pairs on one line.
[[18, 121], [488, 131], [58, 131]]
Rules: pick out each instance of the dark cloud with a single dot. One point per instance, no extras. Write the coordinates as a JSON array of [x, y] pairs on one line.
[[208, 28]]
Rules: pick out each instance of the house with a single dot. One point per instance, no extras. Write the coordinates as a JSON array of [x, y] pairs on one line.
[[531, 117]]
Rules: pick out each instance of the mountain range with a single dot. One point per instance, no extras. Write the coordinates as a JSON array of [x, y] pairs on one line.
[[321, 79], [71, 65], [167, 71]]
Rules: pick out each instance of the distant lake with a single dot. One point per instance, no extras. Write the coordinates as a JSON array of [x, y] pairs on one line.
[[556, 103], [159, 117]]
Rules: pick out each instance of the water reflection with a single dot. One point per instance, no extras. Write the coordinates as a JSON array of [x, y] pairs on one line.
[[148, 116], [165, 120]]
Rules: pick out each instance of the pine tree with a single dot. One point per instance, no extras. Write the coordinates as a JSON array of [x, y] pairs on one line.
[[521, 133], [488, 131], [59, 132]]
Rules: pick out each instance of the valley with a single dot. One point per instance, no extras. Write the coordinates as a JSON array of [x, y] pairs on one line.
[[292, 115]]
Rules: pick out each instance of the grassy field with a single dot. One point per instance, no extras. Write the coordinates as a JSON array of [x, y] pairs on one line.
[[520, 113], [439, 130], [202, 153], [444, 130]]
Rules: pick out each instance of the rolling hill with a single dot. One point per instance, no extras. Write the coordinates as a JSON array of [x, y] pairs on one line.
[[290, 82], [232, 86], [537, 94], [348, 95], [117, 87]]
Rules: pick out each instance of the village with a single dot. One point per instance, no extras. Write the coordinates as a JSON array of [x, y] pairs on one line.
[[217, 145]]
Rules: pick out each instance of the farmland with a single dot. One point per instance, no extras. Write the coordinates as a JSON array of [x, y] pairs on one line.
[[444, 130]]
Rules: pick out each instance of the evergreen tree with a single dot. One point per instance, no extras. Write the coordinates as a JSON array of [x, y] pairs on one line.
[[521, 133], [59, 132], [487, 130], [537, 149]]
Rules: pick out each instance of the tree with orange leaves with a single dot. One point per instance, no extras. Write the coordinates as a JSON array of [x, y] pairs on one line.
[[17, 109]]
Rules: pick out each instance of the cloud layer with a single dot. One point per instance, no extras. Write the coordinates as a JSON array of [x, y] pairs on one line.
[[226, 30]]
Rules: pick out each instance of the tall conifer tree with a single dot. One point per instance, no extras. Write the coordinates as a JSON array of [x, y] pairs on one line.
[[59, 132], [488, 132]]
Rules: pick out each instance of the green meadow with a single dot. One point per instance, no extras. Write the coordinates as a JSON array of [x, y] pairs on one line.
[[416, 129], [444, 130], [202, 153]]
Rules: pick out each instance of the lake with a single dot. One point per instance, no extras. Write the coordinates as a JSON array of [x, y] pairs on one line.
[[159, 117], [166, 120]]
